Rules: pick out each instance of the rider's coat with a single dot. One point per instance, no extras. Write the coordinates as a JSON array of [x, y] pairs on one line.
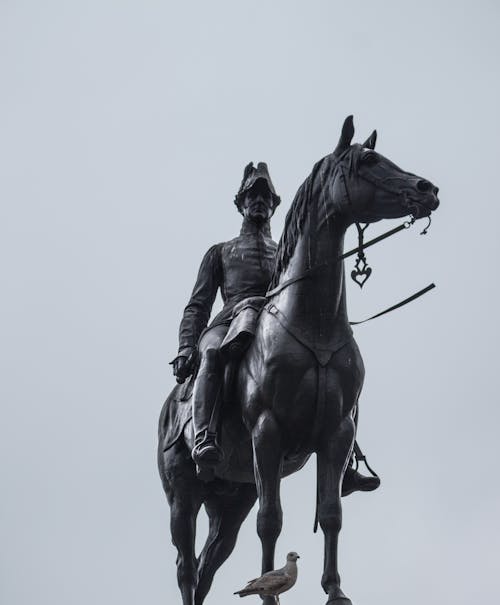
[[241, 267]]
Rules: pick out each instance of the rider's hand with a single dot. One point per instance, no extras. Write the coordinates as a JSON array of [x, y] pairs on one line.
[[182, 368]]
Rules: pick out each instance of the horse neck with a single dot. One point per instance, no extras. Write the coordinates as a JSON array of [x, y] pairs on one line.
[[318, 302]]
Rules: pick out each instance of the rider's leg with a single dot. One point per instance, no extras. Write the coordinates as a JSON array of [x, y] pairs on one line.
[[354, 481], [206, 452]]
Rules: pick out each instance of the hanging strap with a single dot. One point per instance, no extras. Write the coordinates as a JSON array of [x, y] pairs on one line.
[[360, 457]]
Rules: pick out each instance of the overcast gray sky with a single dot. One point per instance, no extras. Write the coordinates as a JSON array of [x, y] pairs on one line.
[[125, 129]]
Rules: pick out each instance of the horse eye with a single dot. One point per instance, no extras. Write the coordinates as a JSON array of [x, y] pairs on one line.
[[369, 158]]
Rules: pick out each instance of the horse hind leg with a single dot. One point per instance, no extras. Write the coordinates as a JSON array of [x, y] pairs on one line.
[[332, 460], [226, 514], [184, 497]]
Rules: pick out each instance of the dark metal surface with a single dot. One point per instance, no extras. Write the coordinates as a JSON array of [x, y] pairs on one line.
[[296, 390]]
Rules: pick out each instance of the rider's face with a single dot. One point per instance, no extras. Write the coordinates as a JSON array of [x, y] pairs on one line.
[[258, 204]]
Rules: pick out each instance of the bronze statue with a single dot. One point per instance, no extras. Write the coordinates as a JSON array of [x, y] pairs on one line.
[[295, 389], [242, 269]]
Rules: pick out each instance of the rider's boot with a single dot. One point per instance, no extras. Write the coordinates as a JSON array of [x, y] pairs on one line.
[[354, 481], [206, 452]]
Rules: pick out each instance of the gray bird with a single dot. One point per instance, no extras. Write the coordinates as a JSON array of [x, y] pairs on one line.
[[273, 583]]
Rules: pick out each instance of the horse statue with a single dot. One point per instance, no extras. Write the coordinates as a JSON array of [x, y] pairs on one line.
[[295, 391]]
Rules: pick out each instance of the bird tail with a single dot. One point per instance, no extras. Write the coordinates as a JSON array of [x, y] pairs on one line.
[[245, 593]]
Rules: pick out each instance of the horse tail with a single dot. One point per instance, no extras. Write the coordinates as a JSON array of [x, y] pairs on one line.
[[316, 513]]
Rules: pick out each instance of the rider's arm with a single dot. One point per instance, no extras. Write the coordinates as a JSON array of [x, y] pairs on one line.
[[199, 307]]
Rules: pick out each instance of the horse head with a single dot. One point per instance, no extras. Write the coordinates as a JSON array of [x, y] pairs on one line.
[[366, 186]]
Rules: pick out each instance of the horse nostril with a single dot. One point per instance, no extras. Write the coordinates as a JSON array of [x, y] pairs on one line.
[[424, 186]]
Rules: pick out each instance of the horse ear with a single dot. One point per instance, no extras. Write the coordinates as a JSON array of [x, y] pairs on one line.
[[345, 136], [371, 140]]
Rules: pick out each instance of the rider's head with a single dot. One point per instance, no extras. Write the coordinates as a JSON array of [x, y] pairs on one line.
[[257, 199]]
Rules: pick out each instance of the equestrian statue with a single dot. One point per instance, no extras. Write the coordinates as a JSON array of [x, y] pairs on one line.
[[277, 374]]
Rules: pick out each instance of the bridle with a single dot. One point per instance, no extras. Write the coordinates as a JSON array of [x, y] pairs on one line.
[[362, 270]]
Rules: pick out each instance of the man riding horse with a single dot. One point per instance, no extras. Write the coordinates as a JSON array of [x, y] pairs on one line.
[[241, 268]]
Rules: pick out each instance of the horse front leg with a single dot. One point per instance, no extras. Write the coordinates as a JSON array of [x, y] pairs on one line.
[[268, 458], [333, 457]]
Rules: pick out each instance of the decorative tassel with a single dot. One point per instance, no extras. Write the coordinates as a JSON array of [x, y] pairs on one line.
[[361, 271]]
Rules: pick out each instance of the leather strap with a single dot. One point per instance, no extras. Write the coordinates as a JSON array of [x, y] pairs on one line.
[[360, 457], [396, 306]]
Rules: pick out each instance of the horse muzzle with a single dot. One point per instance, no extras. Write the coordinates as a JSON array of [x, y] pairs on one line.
[[423, 203]]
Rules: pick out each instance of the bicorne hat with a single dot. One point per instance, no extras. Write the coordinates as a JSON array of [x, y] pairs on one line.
[[252, 175]]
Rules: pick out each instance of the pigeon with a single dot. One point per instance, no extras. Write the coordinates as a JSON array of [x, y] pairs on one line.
[[273, 583]]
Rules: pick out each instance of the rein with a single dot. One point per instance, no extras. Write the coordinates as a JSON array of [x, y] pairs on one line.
[[308, 272]]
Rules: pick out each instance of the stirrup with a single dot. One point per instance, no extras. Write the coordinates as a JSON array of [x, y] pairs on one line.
[[206, 451]]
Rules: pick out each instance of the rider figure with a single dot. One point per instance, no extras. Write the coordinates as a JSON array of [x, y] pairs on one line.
[[241, 268]]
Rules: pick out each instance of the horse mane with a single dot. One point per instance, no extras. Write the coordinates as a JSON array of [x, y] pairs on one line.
[[294, 223], [301, 205]]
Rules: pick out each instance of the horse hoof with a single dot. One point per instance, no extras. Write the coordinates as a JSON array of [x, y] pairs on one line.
[[339, 601]]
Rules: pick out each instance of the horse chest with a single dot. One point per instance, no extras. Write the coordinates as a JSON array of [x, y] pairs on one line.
[[322, 343]]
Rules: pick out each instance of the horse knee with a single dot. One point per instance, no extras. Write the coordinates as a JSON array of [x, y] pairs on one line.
[[187, 570], [330, 522], [269, 524]]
